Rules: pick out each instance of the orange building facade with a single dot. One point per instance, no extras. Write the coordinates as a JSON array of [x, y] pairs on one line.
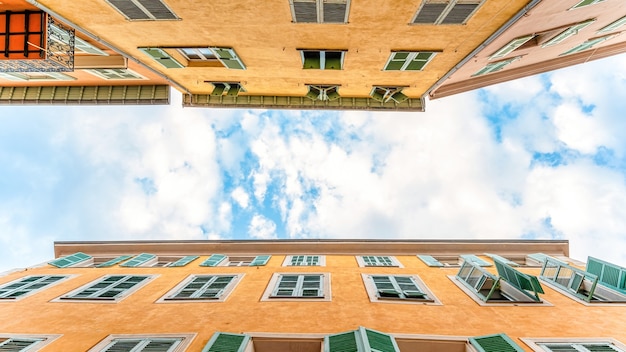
[[314, 295]]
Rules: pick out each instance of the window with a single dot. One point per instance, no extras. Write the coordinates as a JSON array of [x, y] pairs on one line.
[[162, 57], [108, 262], [446, 12], [511, 46], [28, 285], [297, 286], [70, 260], [352, 340], [304, 260], [509, 286], [601, 282], [496, 66], [319, 11], [221, 341], [143, 9], [36, 76], [451, 260], [221, 57], [575, 344], [207, 288], [115, 73], [224, 260], [408, 60], [323, 92], [571, 31], [322, 59], [22, 342], [530, 260], [588, 44], [152, 260], [385, 94], [109, 288], [613, 26], [230, 89], [495, 343], [138, 343], [586, 3], [377, 260], [397, 289]]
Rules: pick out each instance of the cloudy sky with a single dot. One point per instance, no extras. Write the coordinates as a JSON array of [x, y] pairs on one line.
[[541, 157]]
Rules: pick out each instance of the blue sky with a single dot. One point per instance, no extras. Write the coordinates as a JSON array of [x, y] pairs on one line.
[[541, 157]]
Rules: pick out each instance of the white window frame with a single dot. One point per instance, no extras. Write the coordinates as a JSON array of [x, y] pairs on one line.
[[185, 341], [34, 291], [146, 12], [320, 10], [512, 46], [536, 343], [613, 25], [590, 43], [578, 5], [224, 294], [68, 297], [98, 72], [321, 260], [272, 286], [567, 33], [496, 66], [372, 291], [412, 55], [40, 341], [394, 262], [201, 56], [322, 55]]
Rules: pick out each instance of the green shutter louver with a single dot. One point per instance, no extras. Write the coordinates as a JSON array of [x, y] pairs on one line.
[[610, 275], [429, 260], [18, 344], [495, 343], [203, 287], [214, 260], [502, 259], [139, 260], [613, 26], [70, 260], [226, 342], [361, 340], [474, 259], [110, 287], [26, 286], [184, 261], [304, 260], [569, 278], [586, 3], [162, 57], [113, 261], [260, 260], [511, 46], [528, 284], [229, 58]]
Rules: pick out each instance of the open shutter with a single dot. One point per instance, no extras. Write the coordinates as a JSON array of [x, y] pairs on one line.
[[429, 260], [225, 342], [474, 259], [518, 279], [609, 275], [260, 260], [139, 260], [162, 57], [342, 342], [502, 259], [113, 261], [378, 341], [495, 343], [70, 260], [184, 260], [214, 260], [229, 58], [511, 46]]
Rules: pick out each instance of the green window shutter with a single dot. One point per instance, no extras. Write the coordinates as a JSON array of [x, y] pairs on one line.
[[26, 285], [378, 341], [429, 260], [342, 342], [524, 282], [586, 2], [184, 260], [396, 61], [495, 343], [213, 260], [511, 46], [571, 31], [613, 26], [162, 57], [610, 275], [139, 260], [502, 259], [260, 260], [474, 259], [203, 287], [312, 60], [113, 261], [419, 61], [541, 257], [229, 58], [225, 342], [70, 260]]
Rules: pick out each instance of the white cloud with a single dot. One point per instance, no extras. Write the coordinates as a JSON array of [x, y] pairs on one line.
[[240, 196], [262, 228]]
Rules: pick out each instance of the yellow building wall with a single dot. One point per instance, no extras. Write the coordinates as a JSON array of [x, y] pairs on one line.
[[84, 324]]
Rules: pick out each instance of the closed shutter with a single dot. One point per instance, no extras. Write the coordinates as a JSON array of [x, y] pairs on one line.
[[495, 343], [429, 13], [162, 57], [225, 342], [334, 12], [157, 9], [139, 260], [13, 344], [184, 261], [129, 9], [143, 9], [305, 11], [379, 341], [229, 58], [214, 260], [459, 13], [70, 260]]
